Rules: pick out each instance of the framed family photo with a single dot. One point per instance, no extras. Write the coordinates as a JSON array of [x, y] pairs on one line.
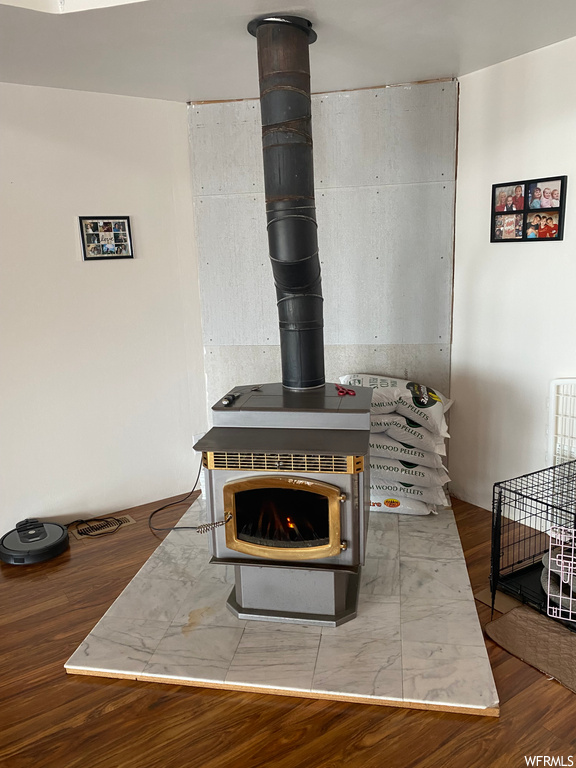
[[106, 237], [528, 210]]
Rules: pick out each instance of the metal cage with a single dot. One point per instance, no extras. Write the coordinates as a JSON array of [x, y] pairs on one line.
[[524, 509]]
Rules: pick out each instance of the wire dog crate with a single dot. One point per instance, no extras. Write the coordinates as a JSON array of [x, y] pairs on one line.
[[524, 509], [559, 573]]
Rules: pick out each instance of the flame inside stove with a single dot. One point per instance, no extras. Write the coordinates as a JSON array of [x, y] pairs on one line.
[[281, 518], [275, 525]]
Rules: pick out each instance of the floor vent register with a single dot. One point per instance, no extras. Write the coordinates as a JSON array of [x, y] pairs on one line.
[[94, 528]]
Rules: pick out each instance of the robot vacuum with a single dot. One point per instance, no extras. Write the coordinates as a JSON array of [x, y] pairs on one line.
[[33, 542]]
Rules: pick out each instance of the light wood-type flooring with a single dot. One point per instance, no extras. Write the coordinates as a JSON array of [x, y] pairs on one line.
[[49, 718]]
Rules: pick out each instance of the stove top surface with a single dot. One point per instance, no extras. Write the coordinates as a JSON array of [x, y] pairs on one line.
[[269, 417], [275, 397]]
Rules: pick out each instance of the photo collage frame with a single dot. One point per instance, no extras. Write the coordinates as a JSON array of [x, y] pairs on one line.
[[531, 210], [106, 237]]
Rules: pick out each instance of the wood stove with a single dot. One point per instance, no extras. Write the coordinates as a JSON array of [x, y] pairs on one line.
[[286, 483], [286, 470]]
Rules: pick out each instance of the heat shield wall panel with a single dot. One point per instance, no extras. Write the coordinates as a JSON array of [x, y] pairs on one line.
[[400, 135], [384, 171], [226, 148], [386, 266]]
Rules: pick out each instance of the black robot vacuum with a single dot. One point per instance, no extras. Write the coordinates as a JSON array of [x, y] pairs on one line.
[[33, 542]]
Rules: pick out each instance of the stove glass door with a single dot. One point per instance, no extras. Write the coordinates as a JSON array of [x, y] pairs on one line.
[[283, 518]]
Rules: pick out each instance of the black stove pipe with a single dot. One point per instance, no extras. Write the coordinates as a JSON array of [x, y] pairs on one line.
[[284, 69]]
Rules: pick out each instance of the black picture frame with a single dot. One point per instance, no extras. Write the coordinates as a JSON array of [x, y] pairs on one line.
[[518, 209], [106, 237]]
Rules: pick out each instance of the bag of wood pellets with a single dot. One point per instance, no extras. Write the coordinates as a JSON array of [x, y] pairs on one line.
[[403, 471], [400, 506], [407, 491], [382, 445], [385, 401], [407, 431], [422, 404]]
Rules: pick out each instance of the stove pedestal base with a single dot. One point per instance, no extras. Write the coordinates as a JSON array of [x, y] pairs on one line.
[[295, 595]]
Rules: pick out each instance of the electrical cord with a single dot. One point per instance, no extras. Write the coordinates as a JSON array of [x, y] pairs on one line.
[[171, 504], [112, 519]]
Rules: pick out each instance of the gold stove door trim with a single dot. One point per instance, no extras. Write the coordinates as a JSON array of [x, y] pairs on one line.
[[331, 492]]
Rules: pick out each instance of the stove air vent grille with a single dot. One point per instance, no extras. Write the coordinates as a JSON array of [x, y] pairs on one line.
[[284, 462]]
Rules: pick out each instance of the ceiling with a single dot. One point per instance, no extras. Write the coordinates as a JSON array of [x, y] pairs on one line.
[[195, 50]]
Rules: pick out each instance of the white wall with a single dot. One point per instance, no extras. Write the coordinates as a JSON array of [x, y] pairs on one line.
[[514, 306], [384, 163], [101, 378]]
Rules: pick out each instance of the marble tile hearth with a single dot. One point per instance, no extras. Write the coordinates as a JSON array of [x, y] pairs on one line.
[[416, 641]]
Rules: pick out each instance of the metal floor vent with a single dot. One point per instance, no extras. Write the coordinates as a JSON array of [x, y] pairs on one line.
[[87, 529], [562, 424]]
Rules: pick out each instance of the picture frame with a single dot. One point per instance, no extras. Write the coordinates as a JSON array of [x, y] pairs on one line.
[[530, 210], [106, 237]]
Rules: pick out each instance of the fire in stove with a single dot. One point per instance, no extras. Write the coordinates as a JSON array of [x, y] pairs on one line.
[[282, 518]]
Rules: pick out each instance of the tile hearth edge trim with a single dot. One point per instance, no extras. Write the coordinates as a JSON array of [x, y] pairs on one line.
[[422, 705]]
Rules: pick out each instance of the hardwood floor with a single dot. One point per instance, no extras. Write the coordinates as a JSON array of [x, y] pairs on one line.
[[49, 718]]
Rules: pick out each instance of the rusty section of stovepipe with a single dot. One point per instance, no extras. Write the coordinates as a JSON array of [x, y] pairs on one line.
[[284, 69]]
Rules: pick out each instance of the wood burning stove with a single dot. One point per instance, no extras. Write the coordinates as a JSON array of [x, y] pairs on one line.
[[286, 487], [286, 478]]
